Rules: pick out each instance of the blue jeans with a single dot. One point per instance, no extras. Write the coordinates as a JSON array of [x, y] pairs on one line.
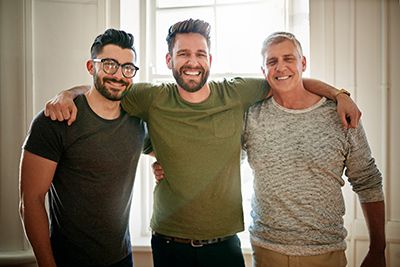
[[167, 253]]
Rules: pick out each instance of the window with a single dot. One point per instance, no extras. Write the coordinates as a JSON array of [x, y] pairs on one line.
[[238, 29]]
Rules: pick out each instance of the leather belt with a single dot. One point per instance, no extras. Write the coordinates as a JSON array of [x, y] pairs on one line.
[[193, 242]]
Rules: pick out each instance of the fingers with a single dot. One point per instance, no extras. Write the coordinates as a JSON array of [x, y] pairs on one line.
[[343, 118], [354, 120], [46, 112], [56, 111], [158, 172], [65, 112], [154, 165], [49, 110], [59, 113], [61, 107], [72, 118]]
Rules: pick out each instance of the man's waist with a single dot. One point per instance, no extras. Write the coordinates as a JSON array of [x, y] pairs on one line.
[[194, 242]]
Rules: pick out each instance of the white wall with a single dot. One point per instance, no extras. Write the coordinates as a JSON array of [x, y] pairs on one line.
[[355, 45], [43, 48], [45, 43]]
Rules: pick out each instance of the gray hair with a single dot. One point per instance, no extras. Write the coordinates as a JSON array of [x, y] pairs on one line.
[[279, 37]]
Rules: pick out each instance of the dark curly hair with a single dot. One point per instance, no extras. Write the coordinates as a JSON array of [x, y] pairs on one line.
[[188, 26], [115, 37]]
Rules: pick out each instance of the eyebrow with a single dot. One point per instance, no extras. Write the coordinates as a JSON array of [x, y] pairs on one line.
[[286, 55], [188, 50]]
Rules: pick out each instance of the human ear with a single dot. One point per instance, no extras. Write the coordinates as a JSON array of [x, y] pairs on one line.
[[168, 60], [90, 67]]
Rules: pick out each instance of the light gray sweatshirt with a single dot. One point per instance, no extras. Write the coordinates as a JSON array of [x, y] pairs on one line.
[[298, 158]]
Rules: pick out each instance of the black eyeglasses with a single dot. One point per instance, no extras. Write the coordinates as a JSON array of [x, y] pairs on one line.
[[111, 66]]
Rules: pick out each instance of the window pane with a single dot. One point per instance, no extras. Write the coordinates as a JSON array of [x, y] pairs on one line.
[[183, 3], [240, 32], [237, 1]]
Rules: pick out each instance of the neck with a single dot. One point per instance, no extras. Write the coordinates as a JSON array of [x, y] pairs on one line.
[[298, 98], [102, 106], [195, 97]]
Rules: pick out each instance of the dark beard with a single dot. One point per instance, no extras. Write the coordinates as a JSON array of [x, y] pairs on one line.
[[187, 87], [101, 88]]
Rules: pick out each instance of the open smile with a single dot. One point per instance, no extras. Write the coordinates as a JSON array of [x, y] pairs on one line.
[[283, 77], [192, 73]]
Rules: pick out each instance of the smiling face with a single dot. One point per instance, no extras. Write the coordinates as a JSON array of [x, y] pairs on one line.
[[111, 86], [190, 61], [283, 65]]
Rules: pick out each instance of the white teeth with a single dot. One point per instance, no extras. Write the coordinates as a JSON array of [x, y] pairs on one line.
[[193, 73], [282, 78]]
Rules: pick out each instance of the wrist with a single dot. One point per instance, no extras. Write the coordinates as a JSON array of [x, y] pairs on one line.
[[341, 93], [68, 93]]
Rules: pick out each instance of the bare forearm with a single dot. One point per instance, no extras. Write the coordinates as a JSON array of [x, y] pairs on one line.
[[374, 213], [36, 224], [77, 90], [320, 88]]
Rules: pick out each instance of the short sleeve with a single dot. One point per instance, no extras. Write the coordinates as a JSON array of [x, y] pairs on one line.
[[251, 90], [138, 99], [45, 137]]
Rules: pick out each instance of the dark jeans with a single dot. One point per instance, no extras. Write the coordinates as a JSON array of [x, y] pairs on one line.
[[167, 253], [66, 254], [125, 262]]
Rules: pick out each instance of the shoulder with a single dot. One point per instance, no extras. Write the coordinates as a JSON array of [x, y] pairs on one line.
[[239, 82], [42, 123], [145, 93], [138, 88], [259, 111], [134, 121], [328, 110], [330, 104], [260, 105], [45, 137]]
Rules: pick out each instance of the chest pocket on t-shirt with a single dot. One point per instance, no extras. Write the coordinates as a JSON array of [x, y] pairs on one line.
[[224, 124]]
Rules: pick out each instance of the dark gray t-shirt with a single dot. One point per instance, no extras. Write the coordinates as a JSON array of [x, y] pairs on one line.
[[90, 195]]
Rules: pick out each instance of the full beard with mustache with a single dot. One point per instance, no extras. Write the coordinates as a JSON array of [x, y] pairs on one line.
[[101, 88], [186, 86]]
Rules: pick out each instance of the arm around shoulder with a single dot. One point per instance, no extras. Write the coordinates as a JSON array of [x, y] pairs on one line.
[[348, 111], [62, 106]]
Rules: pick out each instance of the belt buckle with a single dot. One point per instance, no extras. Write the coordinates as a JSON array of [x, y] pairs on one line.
[[196, 243]]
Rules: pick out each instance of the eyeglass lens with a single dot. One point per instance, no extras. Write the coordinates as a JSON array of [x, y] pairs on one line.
[[111, 67]]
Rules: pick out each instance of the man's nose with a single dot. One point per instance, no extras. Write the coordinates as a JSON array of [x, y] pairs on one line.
[[118, 74], [192, 60], [280, 66]]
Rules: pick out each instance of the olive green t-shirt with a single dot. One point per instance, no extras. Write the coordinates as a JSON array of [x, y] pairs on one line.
[[198, 146]]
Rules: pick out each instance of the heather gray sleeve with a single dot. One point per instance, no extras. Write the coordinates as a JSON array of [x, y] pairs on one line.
[[361, 170]]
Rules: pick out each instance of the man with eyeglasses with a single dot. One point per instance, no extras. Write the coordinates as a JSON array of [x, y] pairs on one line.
[[87, 168]]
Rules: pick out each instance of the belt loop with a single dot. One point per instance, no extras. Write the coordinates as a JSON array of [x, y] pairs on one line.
[[196, 243]]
